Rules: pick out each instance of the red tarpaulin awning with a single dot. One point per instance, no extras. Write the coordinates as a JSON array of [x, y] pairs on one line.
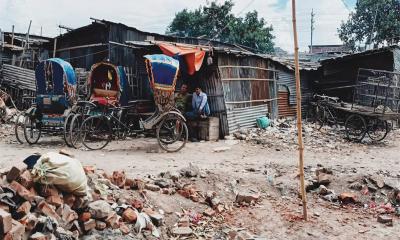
[[193, 56]]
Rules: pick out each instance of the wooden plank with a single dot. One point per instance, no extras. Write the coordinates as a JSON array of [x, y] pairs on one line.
[[248, 79], [250, 67]]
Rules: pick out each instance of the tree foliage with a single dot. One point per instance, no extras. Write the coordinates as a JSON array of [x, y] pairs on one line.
[[217, 22], [372, 22]]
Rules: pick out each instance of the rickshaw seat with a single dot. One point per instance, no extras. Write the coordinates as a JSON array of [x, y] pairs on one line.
[[104, 101], [98, 92]]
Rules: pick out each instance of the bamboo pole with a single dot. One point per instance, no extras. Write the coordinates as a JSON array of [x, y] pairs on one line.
[[299, 122]]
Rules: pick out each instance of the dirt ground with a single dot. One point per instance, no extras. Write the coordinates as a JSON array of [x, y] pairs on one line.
[[235, 165]]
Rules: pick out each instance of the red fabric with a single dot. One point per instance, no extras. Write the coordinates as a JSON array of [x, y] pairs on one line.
[[193, 56]]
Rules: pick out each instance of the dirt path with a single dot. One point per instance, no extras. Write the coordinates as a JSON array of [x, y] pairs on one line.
[[270, 170]]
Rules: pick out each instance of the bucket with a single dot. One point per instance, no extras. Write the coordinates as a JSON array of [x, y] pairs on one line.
[[263, 122]]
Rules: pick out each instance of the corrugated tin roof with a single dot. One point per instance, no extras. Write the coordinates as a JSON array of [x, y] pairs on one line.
[[361, 54]]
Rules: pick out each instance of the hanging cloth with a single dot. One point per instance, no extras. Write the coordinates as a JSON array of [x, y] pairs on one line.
[[192, 55]]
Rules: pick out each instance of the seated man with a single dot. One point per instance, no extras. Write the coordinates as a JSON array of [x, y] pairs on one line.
[[200, 105], [181, 98]]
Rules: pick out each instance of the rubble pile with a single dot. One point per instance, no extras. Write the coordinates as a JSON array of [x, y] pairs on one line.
[[375, 193], [115, 206], [282, 134]]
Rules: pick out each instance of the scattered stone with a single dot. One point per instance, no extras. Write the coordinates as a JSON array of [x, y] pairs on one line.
[[152, 187], [247, 197], [356, 186], [162, 183], [38, 236], [221, 149], [113, 220], [377, 180], [155, 217], [385, 219], [191, 171], [129, 215], [99, 209], [100, 225], [347, 197], [323, 179], [182, 231], [209, 212]]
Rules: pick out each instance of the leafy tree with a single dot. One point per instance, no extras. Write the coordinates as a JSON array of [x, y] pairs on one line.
[[372, 22], [216, 21]]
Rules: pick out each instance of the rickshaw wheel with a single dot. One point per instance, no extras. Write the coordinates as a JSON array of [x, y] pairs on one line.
[[67, 126], [172, 133], [75, 137], [19, 128], [377, 129], [96, 132], [355, 127], [32, 130], [319, 116]]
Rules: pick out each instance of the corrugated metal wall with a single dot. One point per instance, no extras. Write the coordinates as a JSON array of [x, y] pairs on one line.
[[250, 89], [239, 118], [285, 109], [20, 84]]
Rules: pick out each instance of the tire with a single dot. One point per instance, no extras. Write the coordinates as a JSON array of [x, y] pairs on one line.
[[74, 130], [319, 117], [96, 132], [67, 126], [32, 130], [172, 133], [355, 127], [377, 129], [19, 128]]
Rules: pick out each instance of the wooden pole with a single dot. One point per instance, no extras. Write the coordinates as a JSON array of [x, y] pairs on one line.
[[299, 122], [54, 47], [12, 37]]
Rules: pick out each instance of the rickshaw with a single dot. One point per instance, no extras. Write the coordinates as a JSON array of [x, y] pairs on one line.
[[55, 94], [107, 87], [167, 122]]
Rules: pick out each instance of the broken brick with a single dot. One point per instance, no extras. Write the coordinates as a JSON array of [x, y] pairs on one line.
[[30, 221], [24, 208], [89, 225], [69, 199], [89, 169], [209, 212], [347, 197], [119, 178], [85, 216], [113, 220], [5, 222], [155, 217], [136, 203], [129, 215], [55, 200], [182, 231], [124, 228], [47, 191], [15, 172], [17, 231], [247, 197], [22, 191], [68, 215], [26, 179], [47, 210]]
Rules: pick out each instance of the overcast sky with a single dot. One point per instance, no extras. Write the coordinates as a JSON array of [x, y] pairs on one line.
[[155, 15]]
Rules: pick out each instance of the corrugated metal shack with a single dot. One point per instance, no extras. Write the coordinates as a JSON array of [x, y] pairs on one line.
[[104, 40], [287, 85], [339, 75]]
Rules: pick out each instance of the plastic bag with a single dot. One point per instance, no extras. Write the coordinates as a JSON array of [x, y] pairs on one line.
[[60, 170]]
